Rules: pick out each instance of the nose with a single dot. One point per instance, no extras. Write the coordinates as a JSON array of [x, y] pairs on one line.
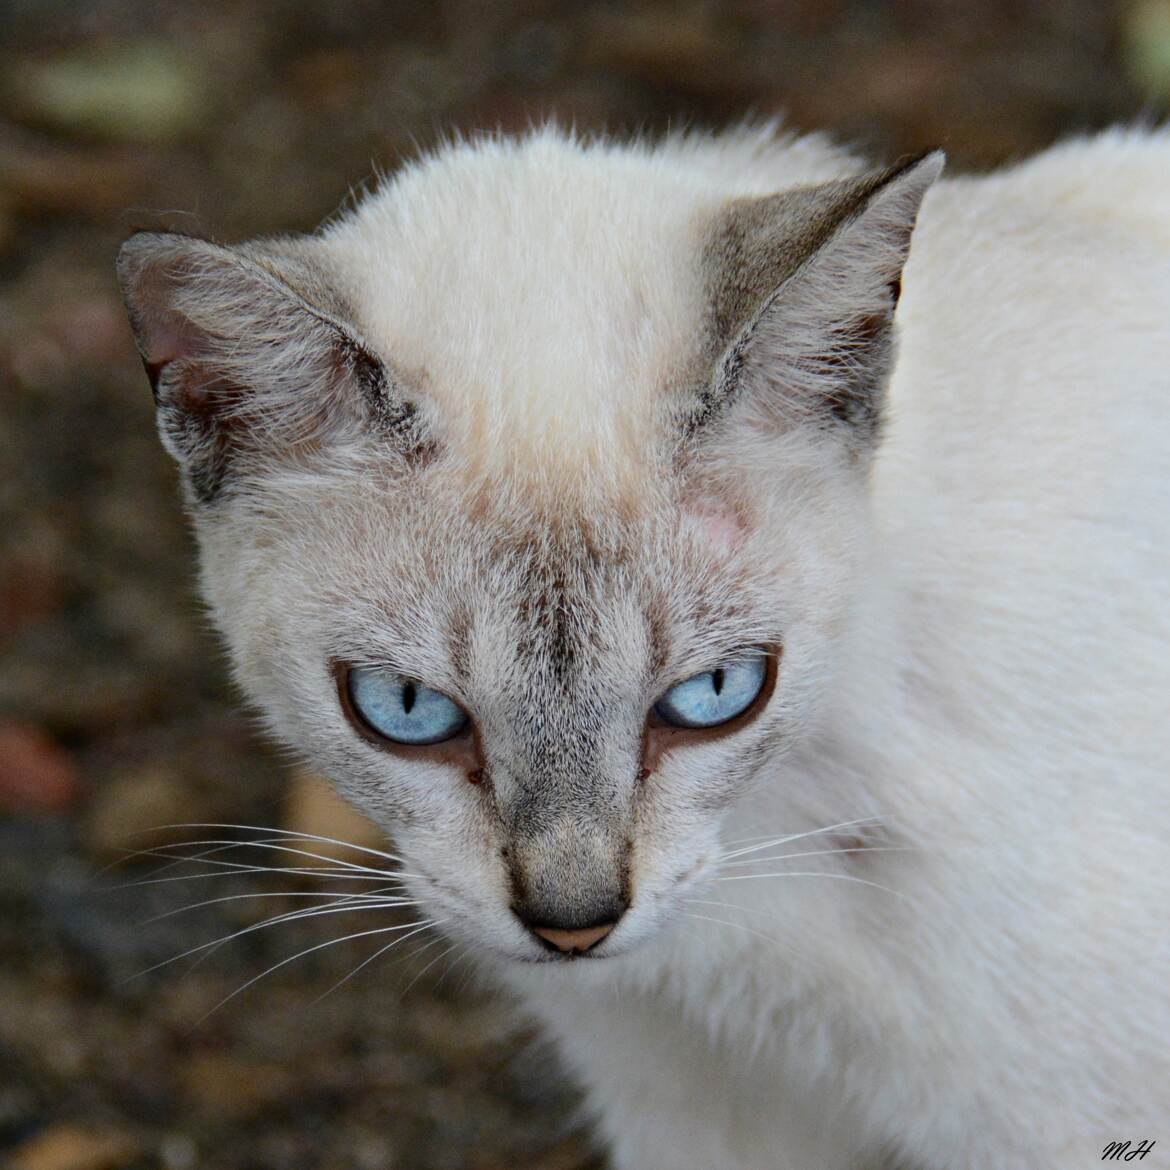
[[570, 883], [573, 942], [571, 934]]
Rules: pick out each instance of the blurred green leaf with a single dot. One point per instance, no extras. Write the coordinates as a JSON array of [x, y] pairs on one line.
[[146, 91], [1147, 46]]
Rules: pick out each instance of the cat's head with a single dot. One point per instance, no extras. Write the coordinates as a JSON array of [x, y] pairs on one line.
[[531, 500]]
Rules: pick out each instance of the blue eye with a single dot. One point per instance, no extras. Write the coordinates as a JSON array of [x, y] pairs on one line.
[[715, 696], [401, 710]]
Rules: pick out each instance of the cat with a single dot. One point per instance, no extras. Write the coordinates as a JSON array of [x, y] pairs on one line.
[[738, 578]]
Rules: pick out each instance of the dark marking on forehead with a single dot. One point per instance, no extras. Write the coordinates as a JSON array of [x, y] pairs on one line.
[[394, 416], [563, 569], [546, 614], [657, 635], [459, 642]]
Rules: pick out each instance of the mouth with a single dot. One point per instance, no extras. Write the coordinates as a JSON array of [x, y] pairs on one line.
[[548, 957]]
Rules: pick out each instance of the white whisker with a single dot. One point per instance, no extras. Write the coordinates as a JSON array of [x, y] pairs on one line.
[[828, 828], [740, 926], [426, 924], [289, 916], [841, 877], [742, 910], [468, 975], [464, 954], [817, 853], [289, 833], [170, 851], [357, 898], [800, 836], [276, 844], [236, 868], [421, 973], [318, 947]]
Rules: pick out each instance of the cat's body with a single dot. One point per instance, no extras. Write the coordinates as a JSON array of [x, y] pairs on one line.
[[971, 599]]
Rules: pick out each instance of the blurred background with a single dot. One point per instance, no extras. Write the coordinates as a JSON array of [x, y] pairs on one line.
[[116, 715]]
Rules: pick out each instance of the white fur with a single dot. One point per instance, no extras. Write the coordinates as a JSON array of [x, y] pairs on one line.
[[978, 647], [591, 290]]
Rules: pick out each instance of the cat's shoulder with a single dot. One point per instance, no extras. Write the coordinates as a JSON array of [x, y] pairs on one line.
[[1092, 196], [1114, 179]]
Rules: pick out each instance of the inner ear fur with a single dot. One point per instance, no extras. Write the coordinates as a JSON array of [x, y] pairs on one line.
[[244, 366], [803, 287]]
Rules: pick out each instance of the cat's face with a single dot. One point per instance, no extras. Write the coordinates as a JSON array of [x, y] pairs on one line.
[[548, 680], [564, 797]]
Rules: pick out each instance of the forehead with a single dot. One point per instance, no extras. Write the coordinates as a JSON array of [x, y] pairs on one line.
[[541, 297], [415, 570]]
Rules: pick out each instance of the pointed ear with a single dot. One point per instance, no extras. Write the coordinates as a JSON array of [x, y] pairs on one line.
[[249, 359], [804, 287]]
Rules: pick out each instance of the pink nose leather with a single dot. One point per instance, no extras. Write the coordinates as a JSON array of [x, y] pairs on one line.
[[573, 941]]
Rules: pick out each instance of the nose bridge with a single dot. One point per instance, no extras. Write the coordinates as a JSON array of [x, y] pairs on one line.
[[549, 791], [565, 802], [564, 773], [561, 769], [571, 873]]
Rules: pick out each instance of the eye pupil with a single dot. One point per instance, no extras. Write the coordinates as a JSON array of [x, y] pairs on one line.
[[408, 696], [717, 680]]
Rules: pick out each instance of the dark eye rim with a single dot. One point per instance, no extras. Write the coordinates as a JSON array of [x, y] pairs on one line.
[[464, 738], [678, 733]]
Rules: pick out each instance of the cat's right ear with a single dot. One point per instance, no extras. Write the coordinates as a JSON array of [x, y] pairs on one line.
[[250, 361]]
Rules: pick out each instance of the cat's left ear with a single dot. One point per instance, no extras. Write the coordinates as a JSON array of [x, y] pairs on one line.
[[804, 285]]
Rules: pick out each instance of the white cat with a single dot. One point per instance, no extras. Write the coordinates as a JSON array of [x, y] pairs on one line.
[[789, 722]]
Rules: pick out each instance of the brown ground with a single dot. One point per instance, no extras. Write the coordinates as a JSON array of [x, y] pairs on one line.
[[115, 715]]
